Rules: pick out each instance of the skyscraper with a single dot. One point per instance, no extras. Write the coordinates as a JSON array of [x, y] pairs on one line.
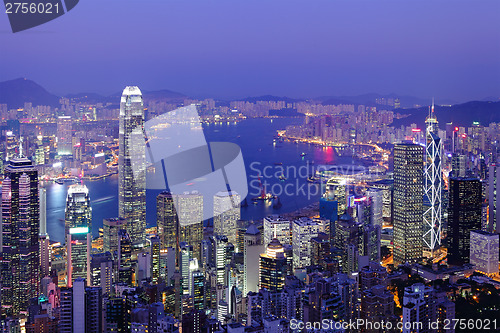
[[303, 230], [226, 215], [110, 229], [408, 197], [484, 251], [155, 259], [276, 226], [44, 237], [78, 210], [20, 265], [132, 186], [78, 244], [494, 198], [64, 135], [464, 216], [273, 267], [179, 218], [432, 185]]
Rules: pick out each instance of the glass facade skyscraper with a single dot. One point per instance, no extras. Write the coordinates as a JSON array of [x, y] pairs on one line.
[[64, 136], [180, 219], [20, 264], [226, 215], [432, 185], [464, 216], [132, 185], [408, 200], [78, 210]]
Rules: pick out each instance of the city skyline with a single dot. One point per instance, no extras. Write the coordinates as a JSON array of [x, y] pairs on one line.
[[250, 167]]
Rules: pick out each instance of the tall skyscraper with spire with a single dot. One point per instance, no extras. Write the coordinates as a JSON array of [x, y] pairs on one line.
[[433, 179], [20, 264], [132, 186]]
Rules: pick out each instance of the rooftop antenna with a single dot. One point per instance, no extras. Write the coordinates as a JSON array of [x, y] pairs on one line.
[[432, 105]]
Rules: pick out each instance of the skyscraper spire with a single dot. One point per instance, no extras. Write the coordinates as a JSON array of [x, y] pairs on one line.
[[432, 109]]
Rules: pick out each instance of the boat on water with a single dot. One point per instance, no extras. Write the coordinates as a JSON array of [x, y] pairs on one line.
[[282, 177], [62, 180], [263, 194], [278, 163], [303, 154]]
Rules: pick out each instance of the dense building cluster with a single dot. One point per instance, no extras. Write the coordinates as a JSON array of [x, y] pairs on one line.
[[389, 250]]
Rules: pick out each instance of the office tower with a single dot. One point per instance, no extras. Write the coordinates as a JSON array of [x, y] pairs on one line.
[[78, 314], [78, 211], [226, 214], [484, 251], [101, 271], [81, 309], [110, 229], [39, 151], [320, 249], [375, 200], [132, 185], [273, 267], [303, 230], [464, 216], [20, 273], [408, 195], [64, 135], [155, 259], [198, 290], [66, 310], [219, 245], [11, 146], [278, 227], [180, 219], [494, 198], [143, 268], [328, 209], [79, 245], [189, 207], [44, 237], [166, 220], [349, 240], [123, 263], [433, 180], [185, 256], [252, 249], [458, 165]]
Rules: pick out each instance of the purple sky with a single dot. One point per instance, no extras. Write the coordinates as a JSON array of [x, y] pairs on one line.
[[234, 48]]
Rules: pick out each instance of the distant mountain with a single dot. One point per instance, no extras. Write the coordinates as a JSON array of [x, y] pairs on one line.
[[460, 114], [15, 92]]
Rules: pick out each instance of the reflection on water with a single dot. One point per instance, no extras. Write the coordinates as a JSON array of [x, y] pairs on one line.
[[255, 137]]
